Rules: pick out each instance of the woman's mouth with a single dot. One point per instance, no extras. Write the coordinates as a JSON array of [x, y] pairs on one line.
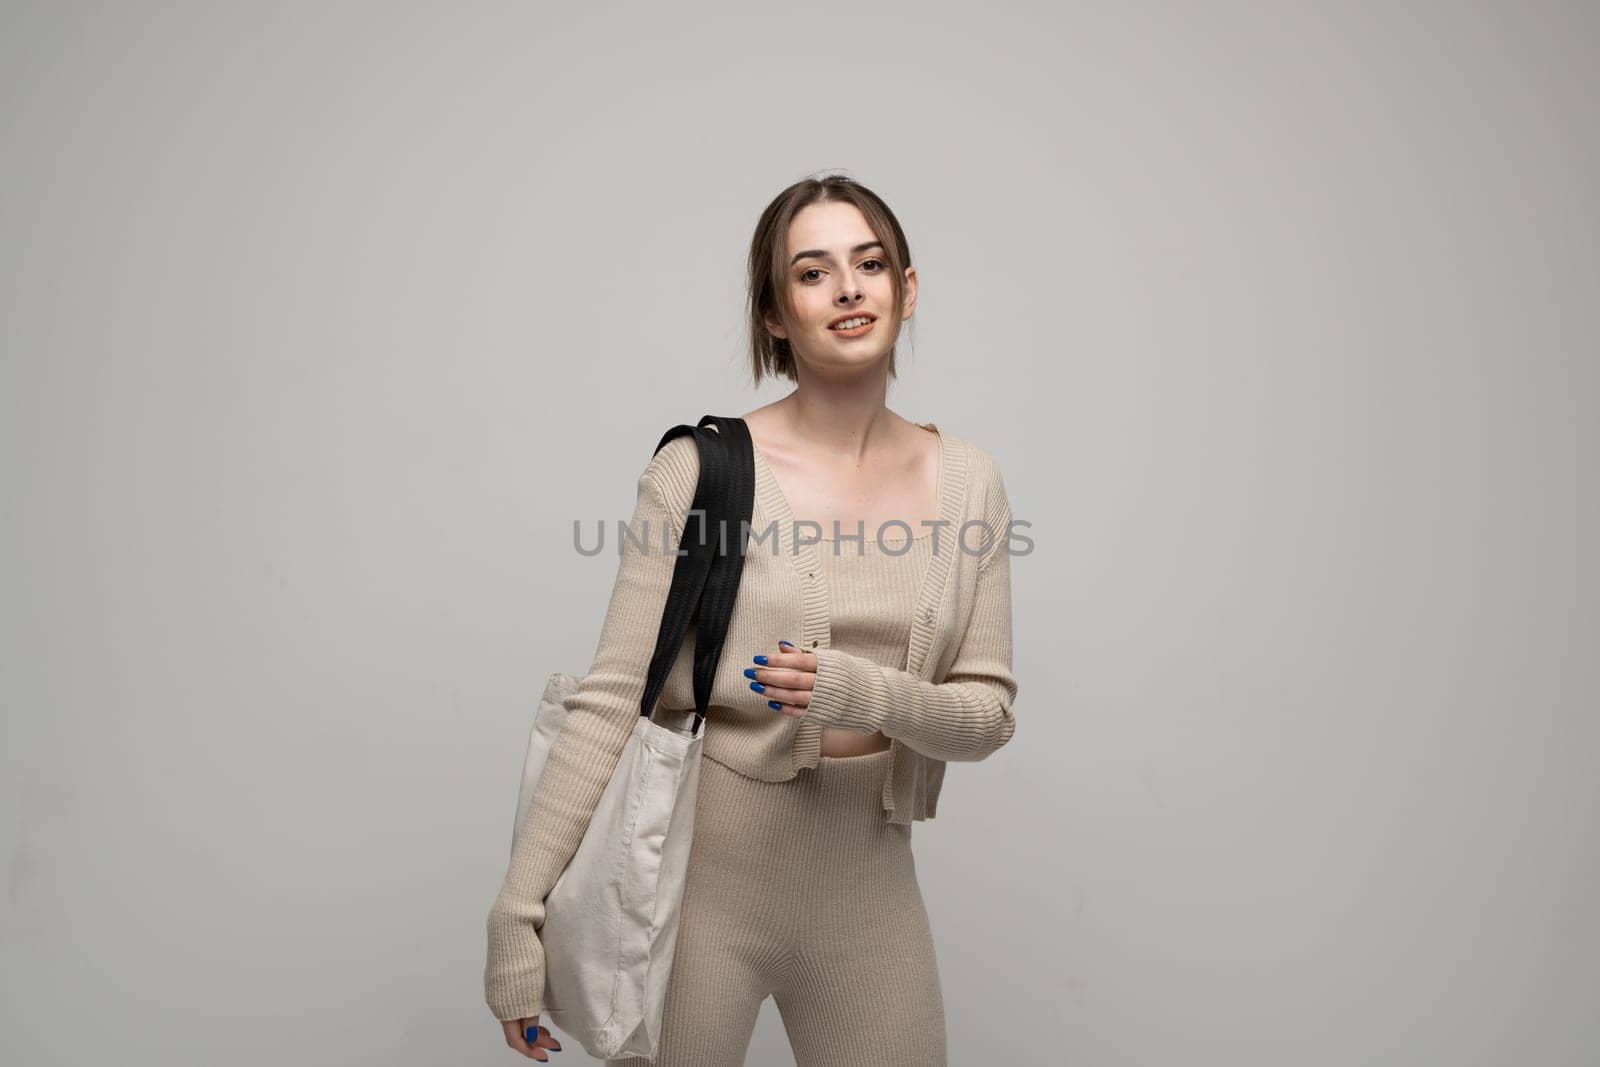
[[856, 326]]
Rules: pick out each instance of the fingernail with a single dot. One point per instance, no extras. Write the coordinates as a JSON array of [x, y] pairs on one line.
[[532, 1034], [761, 660], [789, 643], [749, 672], [774, 705], [758, 687]]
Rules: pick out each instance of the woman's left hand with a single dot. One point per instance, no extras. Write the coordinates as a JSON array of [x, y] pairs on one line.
[[784, 679]]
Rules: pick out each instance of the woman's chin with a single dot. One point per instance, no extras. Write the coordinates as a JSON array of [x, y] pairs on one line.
[[852, 360]]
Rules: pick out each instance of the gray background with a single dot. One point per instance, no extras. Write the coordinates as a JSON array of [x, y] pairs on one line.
[[321, 325]]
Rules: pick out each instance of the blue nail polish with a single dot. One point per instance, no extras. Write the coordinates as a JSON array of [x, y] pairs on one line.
[[774, 705], [749, 672], [761, 660], [532, 1034], [758, 687], [789, 643]]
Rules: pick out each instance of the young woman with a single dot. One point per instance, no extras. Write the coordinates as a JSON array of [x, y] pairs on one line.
[[875, 611]]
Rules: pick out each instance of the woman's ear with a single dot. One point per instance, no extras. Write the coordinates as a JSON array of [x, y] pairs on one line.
[[909, 304], [775, 326]]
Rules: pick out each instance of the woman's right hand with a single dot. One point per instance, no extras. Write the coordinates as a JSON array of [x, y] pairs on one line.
[[516, 1036]]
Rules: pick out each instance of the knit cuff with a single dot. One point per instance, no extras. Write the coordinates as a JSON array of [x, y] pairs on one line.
[[516, 1002], [848, 693], [514, 973]]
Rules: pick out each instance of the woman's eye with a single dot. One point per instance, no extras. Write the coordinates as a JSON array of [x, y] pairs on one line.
[[804, 273], [879, 262]]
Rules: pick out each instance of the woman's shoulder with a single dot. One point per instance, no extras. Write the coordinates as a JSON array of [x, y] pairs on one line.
[[674, 472], [987, 499], [984, 478]]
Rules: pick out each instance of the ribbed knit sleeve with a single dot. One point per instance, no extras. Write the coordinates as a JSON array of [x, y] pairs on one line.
[[967, 716], [601, 715]]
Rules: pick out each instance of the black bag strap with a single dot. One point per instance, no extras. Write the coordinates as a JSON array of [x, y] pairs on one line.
[[705, 580], [727, 567]]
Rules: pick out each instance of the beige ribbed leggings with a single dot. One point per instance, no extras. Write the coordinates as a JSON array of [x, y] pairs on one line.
[[803, 891]]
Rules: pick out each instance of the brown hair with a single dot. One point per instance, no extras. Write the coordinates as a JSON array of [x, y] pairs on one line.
[[769, 268]]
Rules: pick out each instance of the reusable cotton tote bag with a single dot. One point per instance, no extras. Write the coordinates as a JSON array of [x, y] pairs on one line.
[[611, 919]]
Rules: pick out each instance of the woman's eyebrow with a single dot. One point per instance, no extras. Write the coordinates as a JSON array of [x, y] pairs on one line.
[[817, 253]]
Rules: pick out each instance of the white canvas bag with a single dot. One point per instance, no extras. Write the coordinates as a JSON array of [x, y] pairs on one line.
[[611, 919]]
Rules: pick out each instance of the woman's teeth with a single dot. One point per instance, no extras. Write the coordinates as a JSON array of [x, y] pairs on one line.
[[850, 324]]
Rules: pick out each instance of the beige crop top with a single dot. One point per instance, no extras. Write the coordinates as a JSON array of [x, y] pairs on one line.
[[872, 588]]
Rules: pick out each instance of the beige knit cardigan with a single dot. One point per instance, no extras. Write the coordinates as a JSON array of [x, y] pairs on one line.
[[953, 701]]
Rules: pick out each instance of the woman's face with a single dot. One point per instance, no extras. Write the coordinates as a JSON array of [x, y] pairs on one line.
[[837, 273]]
